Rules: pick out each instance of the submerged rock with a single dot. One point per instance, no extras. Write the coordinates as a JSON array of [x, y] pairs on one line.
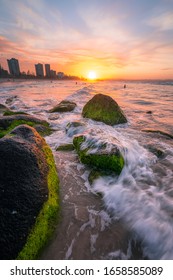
[[99, 157], [7, 123], [158, 132], [3, 109], [103, 108], [63, 106], [65, 147], [25, 165], [73, 128], [96, 174], [11, 99]]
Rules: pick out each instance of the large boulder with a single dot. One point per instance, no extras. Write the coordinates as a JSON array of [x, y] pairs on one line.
[[63, 106], [25, 165], [103, 108], [7, 123], [100, 156]]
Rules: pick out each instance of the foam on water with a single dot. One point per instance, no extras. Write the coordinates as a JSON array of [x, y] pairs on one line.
[[136, 198]]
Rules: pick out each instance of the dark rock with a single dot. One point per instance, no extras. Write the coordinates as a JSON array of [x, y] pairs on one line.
[[23, 187], [103, 108], [3, 109], [64, 106], [10, 99], [149, 112], [155, 150], [43, 130], [163, 133]]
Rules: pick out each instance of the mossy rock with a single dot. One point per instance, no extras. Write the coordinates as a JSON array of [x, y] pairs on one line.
[[63, 106], [11, 113], [65, 147], [7, 123], [29, 194], [102, 159], [103, 108]]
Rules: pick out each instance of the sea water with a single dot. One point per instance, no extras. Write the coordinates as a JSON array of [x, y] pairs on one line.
[[142, 195]]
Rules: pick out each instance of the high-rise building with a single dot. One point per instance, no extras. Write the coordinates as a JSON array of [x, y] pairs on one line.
[[47, 70], [53, 73], [39, 70], [13, 65]]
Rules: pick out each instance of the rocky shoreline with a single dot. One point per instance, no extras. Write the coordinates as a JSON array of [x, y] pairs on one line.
[[83, 232]]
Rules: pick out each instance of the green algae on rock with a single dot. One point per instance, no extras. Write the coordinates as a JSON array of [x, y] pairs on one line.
[[7, 123], [63, 106], [100, 157], [29, 193], [103, 108]]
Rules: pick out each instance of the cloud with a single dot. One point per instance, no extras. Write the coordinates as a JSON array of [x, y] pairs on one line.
[[162, 22]]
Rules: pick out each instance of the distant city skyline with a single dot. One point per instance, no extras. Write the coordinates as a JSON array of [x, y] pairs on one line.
[[14, 70], [114, 38]]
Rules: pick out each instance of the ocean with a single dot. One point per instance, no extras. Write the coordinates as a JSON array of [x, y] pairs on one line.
[[142, 195]]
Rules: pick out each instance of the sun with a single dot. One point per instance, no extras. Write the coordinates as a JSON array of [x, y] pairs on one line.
[[92, 75]]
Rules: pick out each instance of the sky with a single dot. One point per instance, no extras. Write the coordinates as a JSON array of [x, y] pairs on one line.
[[123, 39]]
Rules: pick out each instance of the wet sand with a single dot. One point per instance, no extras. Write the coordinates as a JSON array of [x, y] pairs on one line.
[[85, 231]]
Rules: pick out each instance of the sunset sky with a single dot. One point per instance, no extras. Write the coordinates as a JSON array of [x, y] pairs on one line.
[[113, 38]]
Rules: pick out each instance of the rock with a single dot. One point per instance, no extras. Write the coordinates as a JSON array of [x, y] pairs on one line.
[[158, 132], [157, 151], [64, 106], [65, 147], [11, 113], [149, 112], [7, 123], [43, 130], [10, 99], [3, 109], [25, 165], [103, 108], [96, 174], [73, 128], [99, 157]]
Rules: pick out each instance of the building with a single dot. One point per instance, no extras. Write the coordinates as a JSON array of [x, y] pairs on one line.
[[47, 70], [39, 70], [3, 73], [13, 65], [60, 75], [53, 73]]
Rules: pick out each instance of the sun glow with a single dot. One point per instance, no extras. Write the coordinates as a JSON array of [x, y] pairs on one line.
[[92, 75]]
